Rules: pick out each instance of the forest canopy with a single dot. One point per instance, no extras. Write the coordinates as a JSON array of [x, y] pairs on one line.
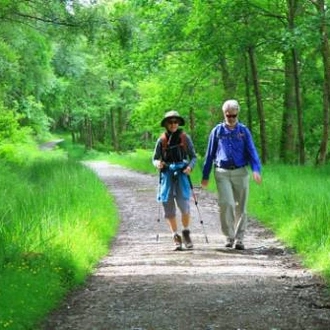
[[106, 71]]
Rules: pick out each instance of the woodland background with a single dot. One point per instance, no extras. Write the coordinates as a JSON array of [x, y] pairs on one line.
[[101, 74], [106, 71]]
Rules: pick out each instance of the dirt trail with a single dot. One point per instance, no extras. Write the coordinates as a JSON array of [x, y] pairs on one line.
[[145, 285]]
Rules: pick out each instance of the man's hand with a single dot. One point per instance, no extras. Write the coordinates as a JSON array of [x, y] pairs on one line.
[[204, 183], [256, 177]]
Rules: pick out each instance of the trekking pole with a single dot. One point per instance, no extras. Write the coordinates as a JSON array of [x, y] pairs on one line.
[[159, 206], [198, 211]]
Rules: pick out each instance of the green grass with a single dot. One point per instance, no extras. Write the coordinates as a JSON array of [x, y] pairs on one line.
[[56, 221], [294, 202]]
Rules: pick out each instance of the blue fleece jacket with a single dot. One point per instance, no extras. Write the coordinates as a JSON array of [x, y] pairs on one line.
[[171, 173]]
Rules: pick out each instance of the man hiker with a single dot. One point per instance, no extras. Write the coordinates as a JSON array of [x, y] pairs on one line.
[[230, 149], [175, 157]]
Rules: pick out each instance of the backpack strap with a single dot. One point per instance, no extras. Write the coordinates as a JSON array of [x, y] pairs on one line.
[[164, 141], [241, 130], [183, 141]]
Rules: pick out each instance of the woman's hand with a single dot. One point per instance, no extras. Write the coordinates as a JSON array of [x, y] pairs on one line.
[[187, 170], [159, 164]]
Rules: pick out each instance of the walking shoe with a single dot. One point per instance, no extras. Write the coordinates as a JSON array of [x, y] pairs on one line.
[[229, 242], [186, 239], [239, 245], [177, 241]]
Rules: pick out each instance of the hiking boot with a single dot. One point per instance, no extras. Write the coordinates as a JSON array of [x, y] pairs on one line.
[[186, 239], [239, 245], [229, 242], [177, 241]]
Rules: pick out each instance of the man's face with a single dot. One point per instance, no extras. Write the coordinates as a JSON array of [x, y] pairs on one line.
[[231, 116]]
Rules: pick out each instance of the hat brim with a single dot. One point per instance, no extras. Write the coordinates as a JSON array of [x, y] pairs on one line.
[[180, 120]]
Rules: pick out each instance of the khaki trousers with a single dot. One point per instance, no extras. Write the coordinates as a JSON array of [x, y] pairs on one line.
[[233, 191]]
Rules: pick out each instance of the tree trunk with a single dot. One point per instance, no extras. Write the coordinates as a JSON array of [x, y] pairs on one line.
[[229, 85], [287, 143], [292, 7], [301, 137], [113, 124], [260, 109], [192, 123], [89, 133], [320, 5], [114, 136], [248, 93]]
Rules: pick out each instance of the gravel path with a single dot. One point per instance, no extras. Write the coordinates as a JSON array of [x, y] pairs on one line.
[[145, 285]]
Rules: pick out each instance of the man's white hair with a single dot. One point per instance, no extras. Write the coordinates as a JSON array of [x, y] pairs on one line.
[[230, 105]]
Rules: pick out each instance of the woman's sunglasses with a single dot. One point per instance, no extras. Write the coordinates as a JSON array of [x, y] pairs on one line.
[[231, 116]]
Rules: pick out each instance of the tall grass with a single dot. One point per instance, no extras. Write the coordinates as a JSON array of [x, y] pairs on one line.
[[293, 201], [56, 221]]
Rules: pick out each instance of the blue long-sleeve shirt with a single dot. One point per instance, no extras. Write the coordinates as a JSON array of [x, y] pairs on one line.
[[230, 147]]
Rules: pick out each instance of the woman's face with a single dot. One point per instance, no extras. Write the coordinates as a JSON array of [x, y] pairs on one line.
[[172, 124]]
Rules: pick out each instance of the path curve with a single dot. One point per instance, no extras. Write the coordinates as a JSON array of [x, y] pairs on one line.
[[145, 285]]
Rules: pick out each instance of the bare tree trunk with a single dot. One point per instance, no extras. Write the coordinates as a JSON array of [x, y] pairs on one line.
[[114, 136], [260, 109], [229, 84], [248, 93], [292, 8], [192, 123], [325, 50], [287, 144], [113, 123], [301, 137], [88, 133]]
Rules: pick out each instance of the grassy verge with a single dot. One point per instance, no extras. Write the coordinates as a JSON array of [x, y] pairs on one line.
[[56, 222], [292, 201]]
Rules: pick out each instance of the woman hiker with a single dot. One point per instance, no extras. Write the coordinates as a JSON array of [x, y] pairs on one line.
[[175, 157]]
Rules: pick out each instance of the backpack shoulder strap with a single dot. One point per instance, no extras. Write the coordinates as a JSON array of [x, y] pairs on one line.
[[219, 131], [164, 141], [242, 130], [183, 141]]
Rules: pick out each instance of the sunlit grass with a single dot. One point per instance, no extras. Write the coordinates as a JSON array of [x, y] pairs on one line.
[[140, 159], [56, 221], [293, 202]]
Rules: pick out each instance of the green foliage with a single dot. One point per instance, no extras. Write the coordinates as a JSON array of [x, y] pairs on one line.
[[35, 117], [56, 221], [9, 126], [120, 65], [16, 142]]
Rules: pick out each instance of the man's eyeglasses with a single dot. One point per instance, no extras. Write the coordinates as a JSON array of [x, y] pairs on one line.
[[172, 122], [231, 116]]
